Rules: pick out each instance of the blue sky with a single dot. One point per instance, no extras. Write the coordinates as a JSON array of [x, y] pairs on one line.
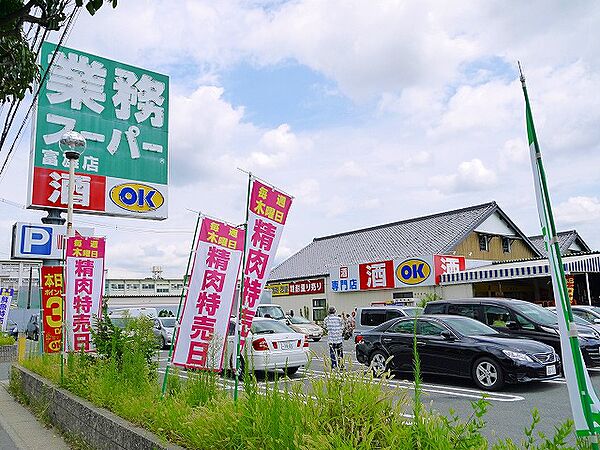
[[367, 112]]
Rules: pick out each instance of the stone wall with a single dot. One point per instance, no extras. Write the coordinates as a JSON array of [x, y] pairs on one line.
[[97, 427], [8, 353]]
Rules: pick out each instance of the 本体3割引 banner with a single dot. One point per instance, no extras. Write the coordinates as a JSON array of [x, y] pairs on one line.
[[202, 334]]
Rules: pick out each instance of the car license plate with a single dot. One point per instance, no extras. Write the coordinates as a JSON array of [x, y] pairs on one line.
[[287, 345], [551, 370]]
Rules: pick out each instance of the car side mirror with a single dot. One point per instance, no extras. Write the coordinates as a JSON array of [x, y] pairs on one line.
[[512, 325], [447, 335]]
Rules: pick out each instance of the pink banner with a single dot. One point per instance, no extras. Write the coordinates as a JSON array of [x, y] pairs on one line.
[[201, 336], [85, 286], [266, 217]]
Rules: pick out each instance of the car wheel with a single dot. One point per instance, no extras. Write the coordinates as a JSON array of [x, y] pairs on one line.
[[378, 363], [290, 370], [316, 339], [487, 374]]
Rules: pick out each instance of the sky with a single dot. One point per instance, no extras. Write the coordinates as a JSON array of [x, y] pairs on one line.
[[367, 112]]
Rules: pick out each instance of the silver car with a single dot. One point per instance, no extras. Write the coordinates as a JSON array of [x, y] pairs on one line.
[[307, 327], [163, 330]]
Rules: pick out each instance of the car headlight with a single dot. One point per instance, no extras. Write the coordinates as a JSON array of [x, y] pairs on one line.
[[516, 356]]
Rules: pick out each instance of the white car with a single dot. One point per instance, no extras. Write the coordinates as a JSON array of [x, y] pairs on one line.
[[270, 345]]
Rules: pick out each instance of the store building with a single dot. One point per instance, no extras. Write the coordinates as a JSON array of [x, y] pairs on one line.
[[406, 261]]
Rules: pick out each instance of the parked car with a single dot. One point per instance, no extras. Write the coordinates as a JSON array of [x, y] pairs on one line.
[[306, 326], [270, 345], [589, 313], [579, 320], [32, 330], [12, 329], [521, 319], [457, 346], [271, 311], [163, 330], [369, 317]]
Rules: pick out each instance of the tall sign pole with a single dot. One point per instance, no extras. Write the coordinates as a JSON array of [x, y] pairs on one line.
[[584, 402]]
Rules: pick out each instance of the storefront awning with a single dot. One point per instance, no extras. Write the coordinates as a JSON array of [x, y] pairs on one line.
[[589, 263]]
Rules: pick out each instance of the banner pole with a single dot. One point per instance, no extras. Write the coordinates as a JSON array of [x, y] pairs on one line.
[[241, 297], [185, 286]]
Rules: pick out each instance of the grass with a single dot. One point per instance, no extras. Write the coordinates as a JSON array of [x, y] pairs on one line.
[[5, 339], [339, 410]]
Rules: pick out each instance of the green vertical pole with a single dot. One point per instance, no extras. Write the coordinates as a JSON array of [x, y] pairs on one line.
[[241, 298], [41, 315], [183, 290], [557, 272]]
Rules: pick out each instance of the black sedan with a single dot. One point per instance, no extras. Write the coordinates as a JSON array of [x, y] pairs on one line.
[[457, 346]]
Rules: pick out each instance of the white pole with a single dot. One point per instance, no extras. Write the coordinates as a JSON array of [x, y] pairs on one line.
[[70, 232], [587, 286]]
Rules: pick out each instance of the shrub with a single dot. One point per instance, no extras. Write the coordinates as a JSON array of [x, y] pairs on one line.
[[5, 339]]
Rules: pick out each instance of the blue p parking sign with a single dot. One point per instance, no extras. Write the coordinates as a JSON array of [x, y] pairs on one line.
[[36, 240]]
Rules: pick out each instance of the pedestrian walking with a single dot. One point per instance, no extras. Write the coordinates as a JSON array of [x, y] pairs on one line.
[[335, 329]]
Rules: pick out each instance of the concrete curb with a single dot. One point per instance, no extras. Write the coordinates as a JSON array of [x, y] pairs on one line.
[[97, 427]]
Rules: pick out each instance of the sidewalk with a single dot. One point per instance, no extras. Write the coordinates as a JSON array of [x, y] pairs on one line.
[[19, 428]]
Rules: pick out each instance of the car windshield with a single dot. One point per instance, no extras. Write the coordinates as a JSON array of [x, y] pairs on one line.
[[536, 313], [413, 312], [274, 312], [168, 322], [269, 327], [469, 327], [595, 309], [296, 320], [120, 322]]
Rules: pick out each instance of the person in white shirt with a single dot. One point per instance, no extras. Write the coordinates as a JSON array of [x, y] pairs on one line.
[[335, 329]]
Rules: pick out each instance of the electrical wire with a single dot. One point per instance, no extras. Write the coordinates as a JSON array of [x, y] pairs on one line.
[[17, 139]]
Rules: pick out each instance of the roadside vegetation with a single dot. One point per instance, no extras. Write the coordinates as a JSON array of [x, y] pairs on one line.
[[342, 410], [6, 339]]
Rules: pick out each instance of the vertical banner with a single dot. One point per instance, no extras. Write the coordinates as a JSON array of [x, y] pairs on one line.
[[52, 291], [6, 296], [570, 287], [85, 282], [201, 336], [267, 213], [585, 404]]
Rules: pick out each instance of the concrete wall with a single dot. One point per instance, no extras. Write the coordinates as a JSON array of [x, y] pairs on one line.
[[99, 428], [457, 291]]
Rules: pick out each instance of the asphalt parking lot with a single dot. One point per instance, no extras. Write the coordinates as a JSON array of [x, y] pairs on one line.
[[509, 411]]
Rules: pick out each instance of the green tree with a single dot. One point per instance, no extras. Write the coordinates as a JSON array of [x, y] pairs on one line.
[[18, 47]]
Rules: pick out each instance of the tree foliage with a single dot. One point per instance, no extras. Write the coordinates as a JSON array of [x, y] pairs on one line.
[[22, 23]]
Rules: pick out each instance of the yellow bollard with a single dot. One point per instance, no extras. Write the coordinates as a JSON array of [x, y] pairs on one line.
[[21, 344]]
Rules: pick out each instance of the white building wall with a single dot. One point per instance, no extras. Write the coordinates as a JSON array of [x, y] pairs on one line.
[[347, 301], [457, 291]]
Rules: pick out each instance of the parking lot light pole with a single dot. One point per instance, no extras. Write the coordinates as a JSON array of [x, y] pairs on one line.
[[72, 145]]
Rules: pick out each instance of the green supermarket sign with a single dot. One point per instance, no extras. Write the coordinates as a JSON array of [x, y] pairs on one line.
[[123, 113]]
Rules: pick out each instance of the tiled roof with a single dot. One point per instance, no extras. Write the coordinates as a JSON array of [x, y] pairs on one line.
[[434, 234], [565, 239]]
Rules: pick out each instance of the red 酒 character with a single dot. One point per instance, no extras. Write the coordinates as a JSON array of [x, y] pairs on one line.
[[203, 326], [197, 354], [208, 302]]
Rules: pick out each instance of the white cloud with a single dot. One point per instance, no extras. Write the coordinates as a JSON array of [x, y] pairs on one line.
[[470, 176], [577, 210], [350, 169]]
